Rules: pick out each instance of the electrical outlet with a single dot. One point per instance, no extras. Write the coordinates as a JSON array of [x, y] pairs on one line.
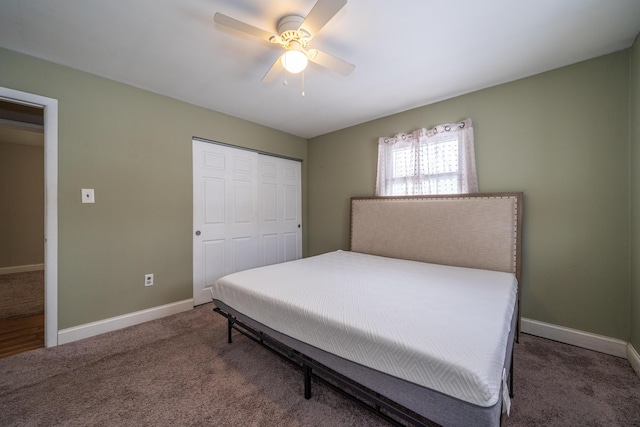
[[148, 279]]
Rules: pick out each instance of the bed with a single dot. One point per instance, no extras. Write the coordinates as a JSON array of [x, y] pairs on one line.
[[416, 321]]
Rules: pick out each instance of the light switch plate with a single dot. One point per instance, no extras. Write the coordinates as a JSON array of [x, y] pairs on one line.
[[88, 195]]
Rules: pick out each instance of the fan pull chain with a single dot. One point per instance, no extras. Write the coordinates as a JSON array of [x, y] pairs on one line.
[[303, 83]]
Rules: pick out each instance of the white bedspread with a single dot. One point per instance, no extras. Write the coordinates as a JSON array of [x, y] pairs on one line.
[[445, 328]]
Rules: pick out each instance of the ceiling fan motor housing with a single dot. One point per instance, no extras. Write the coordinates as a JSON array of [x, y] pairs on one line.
[[289, 31]]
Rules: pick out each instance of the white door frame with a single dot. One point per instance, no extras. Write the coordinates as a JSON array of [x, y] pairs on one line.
[[50, 106]]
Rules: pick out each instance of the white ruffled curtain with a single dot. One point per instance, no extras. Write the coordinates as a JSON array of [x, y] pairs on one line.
[[440, 160]]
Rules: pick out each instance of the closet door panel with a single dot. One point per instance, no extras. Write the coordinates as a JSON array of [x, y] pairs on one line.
[[281, 209], [225, 214]]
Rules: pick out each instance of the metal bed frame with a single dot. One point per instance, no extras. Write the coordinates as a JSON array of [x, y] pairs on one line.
[[334, 373], [352, 391]]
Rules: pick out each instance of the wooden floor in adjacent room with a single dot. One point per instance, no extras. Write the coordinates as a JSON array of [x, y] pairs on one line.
[[18, 334]]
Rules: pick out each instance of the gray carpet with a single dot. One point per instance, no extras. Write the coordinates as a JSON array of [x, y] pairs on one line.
[[180, 371], [21, 294]]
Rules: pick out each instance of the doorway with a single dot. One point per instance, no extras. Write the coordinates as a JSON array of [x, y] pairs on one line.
[[49, 108], [21, 228]]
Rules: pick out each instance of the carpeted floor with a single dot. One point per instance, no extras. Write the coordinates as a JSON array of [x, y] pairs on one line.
[[180, 371], [561, 385], [21, 294]]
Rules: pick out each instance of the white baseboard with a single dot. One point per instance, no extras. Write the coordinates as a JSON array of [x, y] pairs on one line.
[[21, 269], [107, 325], [633, 358], [612, 346]]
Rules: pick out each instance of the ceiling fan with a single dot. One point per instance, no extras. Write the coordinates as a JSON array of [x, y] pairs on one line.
[[294, 34]]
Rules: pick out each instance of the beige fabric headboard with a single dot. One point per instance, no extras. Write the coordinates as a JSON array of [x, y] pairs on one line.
[[478, 230]]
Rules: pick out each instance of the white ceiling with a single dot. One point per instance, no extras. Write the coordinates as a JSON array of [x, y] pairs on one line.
[[407, 53]]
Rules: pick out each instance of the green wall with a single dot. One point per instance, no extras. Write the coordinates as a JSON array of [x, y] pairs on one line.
[[635, 192], [562, 138], [134, 148], [21, 203]]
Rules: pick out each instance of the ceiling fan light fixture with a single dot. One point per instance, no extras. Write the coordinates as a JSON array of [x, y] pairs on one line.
[[294, 61], [295, 32]]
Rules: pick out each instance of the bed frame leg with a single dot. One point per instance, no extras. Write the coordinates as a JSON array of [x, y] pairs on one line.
[[519, 319], [229, 328], [511, 377], [307, 381]]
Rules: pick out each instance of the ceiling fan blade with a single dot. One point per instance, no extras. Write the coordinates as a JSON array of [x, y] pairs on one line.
[[330, 62], [276, 70], [320, 14], [241, 26]]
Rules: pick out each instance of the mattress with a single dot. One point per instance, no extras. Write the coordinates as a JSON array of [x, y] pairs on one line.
[[441, 327]]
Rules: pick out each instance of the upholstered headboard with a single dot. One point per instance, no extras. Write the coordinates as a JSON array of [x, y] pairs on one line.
[[477, 230]]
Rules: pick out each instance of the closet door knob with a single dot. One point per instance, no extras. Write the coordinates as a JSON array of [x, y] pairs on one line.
[[198, 233]]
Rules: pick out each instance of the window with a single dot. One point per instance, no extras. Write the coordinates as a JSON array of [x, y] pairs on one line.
[[436, 161]]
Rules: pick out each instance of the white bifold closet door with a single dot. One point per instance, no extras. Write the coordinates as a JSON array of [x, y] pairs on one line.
[[247, 212]]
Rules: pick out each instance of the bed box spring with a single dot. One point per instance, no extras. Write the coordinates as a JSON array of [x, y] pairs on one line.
[[435, 406]]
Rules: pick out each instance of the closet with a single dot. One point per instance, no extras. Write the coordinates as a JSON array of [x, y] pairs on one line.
[[247, 212]]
